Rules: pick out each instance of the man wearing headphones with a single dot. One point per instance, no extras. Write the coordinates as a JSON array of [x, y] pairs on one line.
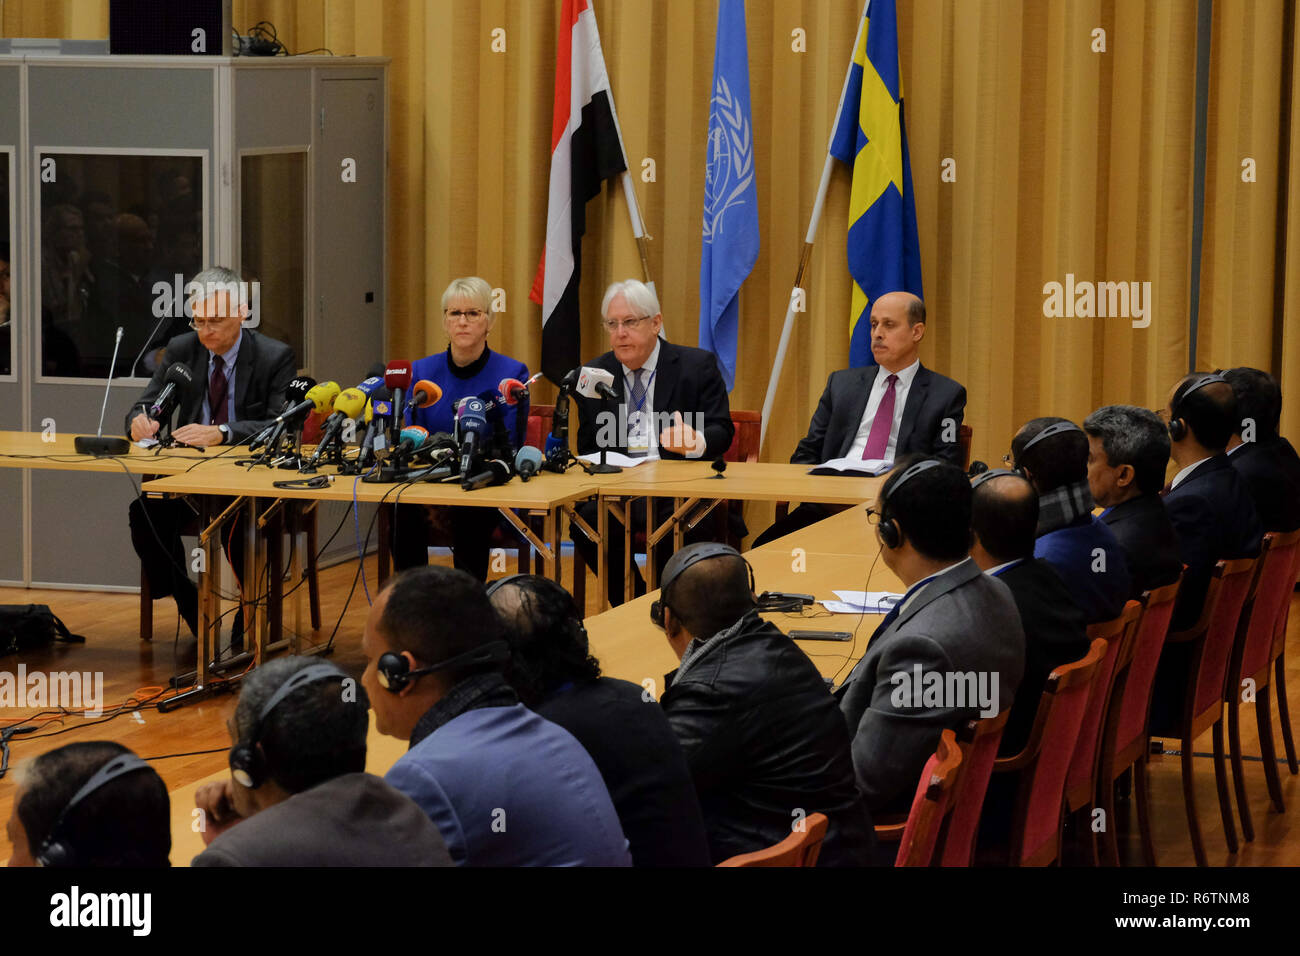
[[1053, 454], [952, 618], [504, 786], [90, 804], [761, 734], [298, 790]]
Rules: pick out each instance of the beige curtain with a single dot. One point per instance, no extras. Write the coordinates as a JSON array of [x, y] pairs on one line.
[[1070, 159]]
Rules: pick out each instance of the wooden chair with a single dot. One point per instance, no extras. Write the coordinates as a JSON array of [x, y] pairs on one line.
[[1252, 660], [1081, 780], [1125, 741], [1210, 640], [979, 741], [1045, 761], [1279, 675], [800, 848], [919, 835]]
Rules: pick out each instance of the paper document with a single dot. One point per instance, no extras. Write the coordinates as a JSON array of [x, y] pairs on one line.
[[146, 442], [614, 458], [862, 602], [868, 467]]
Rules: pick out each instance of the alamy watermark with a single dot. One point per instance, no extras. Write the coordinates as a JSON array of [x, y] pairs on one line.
[[951, 690], [69, 690], [177, 298], [623, 430], [1085, 300]]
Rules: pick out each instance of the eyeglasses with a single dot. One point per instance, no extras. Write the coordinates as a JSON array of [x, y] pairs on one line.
[[202, 325], [469, 315], [632, 324], [873, 516]]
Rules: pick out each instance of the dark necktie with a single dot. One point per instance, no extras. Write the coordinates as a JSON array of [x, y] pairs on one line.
[[638, 389], [217, 387], [882, 424]]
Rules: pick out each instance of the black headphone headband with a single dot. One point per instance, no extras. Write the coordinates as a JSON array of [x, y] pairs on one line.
[[683, 559], [247, 763], [995, 473], [1204, 380], [53, 852], [1056, 428], [911, 472]]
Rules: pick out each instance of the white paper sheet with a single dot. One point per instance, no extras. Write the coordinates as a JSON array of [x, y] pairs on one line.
[[614, 458], [853, 466]]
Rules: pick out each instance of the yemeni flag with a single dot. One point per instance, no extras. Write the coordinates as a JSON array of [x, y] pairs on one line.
[[586, 149]]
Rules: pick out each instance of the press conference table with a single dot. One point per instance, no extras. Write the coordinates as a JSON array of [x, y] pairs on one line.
[[31, 450]]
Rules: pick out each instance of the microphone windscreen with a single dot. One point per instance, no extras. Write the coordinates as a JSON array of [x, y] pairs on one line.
[[351, 402], [370, 386], [507, 388], [415, 434], [527, 461], [323, 396], [398, 374], [378, 407], [432, 393], [180, 376], [297, 389]]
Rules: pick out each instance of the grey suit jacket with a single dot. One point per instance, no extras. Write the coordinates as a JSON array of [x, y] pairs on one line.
[[963, 621]]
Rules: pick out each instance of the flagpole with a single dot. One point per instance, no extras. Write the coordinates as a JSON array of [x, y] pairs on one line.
[[806, 253]]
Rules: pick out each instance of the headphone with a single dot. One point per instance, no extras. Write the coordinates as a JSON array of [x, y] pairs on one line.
[[995, 473], [1178, 427], [247, 761], [1056, 428], [891, 535], [395, 673], [683, 559], [54, 851]]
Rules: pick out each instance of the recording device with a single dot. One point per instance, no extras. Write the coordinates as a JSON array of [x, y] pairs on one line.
[[528, 461], [820, 636], [98, 444]]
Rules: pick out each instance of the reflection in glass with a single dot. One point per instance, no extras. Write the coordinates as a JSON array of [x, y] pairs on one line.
[[6, 286], [272, 230], [114, 230]]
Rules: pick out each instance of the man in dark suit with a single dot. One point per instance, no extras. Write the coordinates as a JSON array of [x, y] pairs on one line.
[[883, 411], [1053, 454], [240, 379], [1128, 448], [670, 402], [955, 627], [1263, 458], [765, 743], [1004, 515]]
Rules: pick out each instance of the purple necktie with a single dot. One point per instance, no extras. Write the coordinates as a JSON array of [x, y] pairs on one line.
[[882, 424], [218, 385]]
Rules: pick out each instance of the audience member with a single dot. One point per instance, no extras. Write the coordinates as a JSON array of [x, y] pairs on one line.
[[1263, 458]]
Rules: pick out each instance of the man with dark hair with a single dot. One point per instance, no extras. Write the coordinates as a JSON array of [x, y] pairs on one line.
[[1128, 449], [953, 625], [763, 738], [883, 411], [627, 736], [1053, 454], [505, 786], [1208, 503], [125, 822], [299, 795], [1263, 458], [1004, 516]]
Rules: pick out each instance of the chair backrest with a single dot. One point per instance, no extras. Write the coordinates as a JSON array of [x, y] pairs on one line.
[[800, 848], [539, 425], [1272, 590], [1135, 681], [964, 436], [744, 444], [1119, 634], [1284, 613], [1036, 829], [930, 804], [979, 741], [1235, 583]]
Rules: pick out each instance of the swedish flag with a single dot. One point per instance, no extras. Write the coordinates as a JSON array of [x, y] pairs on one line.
[[871, 137]]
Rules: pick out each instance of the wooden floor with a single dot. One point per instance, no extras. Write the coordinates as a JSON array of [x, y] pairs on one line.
[[132, 668]]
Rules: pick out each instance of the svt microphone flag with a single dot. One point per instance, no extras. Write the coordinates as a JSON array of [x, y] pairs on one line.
[[586, 149]]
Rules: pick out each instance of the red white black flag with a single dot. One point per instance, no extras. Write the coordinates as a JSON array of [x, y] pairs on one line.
[[585, 151]]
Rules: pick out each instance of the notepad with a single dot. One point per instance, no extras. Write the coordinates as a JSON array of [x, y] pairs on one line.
[[861, 467]]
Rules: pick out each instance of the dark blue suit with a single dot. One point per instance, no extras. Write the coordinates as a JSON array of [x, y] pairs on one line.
[[1272, 476], [1100, 594]]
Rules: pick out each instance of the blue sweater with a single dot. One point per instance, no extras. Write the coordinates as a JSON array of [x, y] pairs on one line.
[[1099, 594], [509, 788], [485, 374]]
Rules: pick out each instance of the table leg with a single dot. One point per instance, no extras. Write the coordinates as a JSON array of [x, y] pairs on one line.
[[602, 552], [383, 554]]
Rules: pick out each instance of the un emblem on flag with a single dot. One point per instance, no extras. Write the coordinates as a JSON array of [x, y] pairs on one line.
[[730, 168]]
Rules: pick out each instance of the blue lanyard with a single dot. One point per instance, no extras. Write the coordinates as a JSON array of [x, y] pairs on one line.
[[646, 395]]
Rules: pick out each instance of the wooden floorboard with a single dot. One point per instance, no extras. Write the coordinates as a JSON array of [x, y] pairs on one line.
[[110, 623]]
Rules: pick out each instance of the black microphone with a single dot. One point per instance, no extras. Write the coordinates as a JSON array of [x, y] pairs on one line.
[[495, 472], [976, 468], [180, 384]]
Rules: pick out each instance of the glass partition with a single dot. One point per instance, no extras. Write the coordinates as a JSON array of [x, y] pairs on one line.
[[272, 242], [120, 235]]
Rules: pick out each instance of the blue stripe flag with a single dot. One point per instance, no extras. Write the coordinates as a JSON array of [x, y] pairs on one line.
[[730, 195], [871, 137]]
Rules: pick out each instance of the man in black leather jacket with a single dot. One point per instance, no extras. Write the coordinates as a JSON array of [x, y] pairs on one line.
[[764, 739]]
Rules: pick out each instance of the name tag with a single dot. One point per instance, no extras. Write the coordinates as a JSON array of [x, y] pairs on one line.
[[638, 434]]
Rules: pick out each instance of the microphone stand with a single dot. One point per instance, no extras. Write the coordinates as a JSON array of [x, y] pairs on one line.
[[603, 468], [99, 445]]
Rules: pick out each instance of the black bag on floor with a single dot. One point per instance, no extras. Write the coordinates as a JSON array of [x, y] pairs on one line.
[[24, 627]]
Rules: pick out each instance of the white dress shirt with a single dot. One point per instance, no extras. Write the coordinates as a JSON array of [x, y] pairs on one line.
[[901, 387], [1187, 471]]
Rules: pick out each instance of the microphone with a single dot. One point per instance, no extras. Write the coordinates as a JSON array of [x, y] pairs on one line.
[[424, 394], [99, 445], [179, 379], [413, 436], [595, 383], [473, 429], [350, 403], [976, 468], [514, 391], [528, 460], [569, 381], [322, 397], [495, 472]]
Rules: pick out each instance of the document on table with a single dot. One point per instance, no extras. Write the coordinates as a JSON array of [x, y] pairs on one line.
[[862, 602], [863, 467], [614, 458]]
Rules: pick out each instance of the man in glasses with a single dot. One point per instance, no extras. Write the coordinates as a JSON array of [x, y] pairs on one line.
[[239, 380], [671, 403]]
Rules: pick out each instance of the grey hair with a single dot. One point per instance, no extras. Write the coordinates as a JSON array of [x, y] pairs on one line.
[[639, 296], [474, 289], [213, 280], [1132, 436]]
